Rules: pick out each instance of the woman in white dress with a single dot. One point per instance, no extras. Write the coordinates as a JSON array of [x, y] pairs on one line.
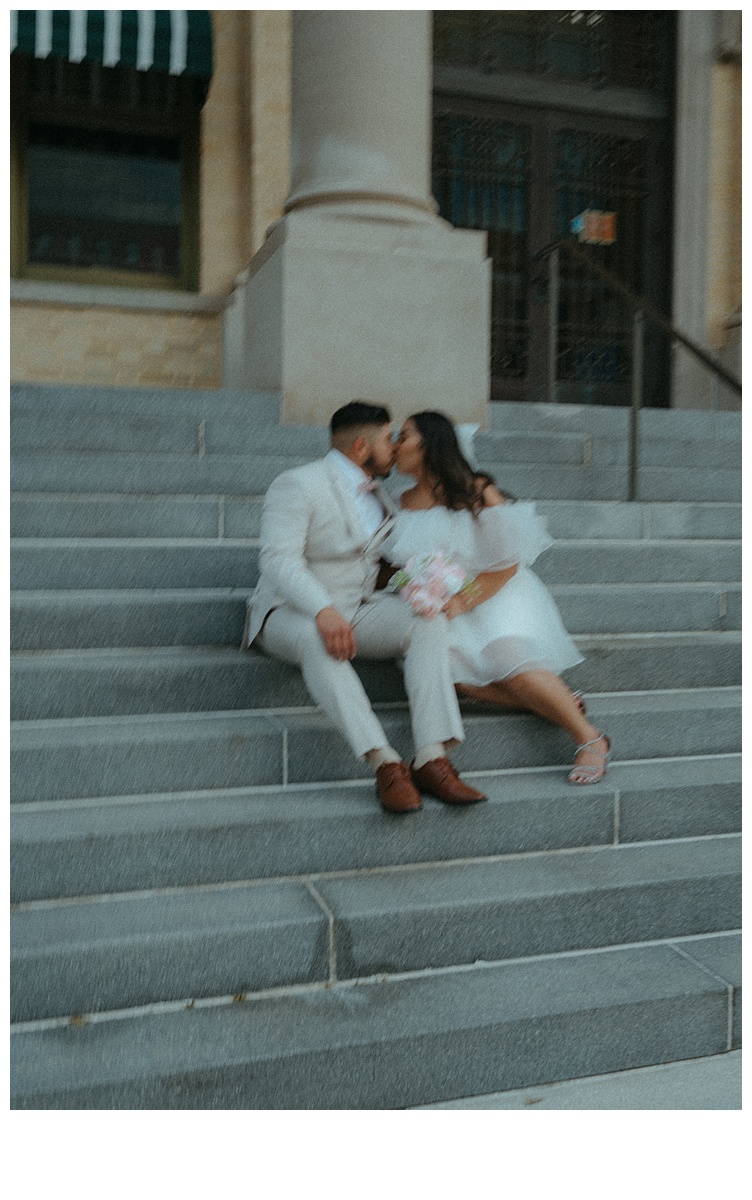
[[508, 643]]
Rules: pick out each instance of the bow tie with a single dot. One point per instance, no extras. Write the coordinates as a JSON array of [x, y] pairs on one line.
[[368, 485]]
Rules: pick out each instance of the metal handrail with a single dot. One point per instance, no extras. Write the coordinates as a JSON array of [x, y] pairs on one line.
[[642, 308]]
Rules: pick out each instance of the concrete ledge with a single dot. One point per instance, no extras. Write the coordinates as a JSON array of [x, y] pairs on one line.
[[708, 1083], [82, 958], [75, 295], [410, 920], [389, 1043], [722, 958]]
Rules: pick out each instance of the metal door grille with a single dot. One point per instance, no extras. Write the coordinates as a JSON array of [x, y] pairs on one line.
[[481, 180], [598, 48], [595, 332]]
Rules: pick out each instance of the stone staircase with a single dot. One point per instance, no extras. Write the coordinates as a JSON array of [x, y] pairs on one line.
[[210, 910]]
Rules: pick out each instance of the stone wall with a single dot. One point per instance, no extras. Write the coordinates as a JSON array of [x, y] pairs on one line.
[[244, 178], [225, 157], [245, 141], [725, 202], [54, 344], [271, 115]]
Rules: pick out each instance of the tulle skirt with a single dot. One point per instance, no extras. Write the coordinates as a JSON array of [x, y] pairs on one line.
[[519, 629]]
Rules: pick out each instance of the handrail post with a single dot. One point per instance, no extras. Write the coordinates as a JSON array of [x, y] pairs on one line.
[[638, 360], [553, 321]]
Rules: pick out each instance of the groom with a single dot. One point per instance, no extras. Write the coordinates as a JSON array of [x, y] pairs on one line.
[[316, 606]]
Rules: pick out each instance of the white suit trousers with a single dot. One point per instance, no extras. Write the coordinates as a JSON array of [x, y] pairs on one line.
[[385, 627]]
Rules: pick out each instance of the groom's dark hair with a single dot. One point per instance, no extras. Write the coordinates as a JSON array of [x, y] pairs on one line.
[[358, 412]]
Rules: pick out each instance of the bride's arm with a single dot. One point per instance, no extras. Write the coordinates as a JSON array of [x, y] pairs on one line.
[[488, 583]]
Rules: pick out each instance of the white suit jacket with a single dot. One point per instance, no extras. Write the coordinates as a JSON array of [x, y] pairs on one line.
[[314, 550]]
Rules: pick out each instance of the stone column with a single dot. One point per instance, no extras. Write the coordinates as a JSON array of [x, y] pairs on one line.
[[361, 96], [695, 55], [361, 290]]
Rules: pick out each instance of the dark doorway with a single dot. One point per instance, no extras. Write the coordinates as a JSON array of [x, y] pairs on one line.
[[522, 172]]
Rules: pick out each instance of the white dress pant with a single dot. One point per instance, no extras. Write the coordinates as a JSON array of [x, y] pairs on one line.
[[385, 627]]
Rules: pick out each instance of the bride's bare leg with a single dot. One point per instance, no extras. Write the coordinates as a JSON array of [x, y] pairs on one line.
[[499, 694], [489, 693], [548, 696]]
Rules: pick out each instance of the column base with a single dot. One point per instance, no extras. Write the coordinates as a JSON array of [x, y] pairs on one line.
[[337, 308]]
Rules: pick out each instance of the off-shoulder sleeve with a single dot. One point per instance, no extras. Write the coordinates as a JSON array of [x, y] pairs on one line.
[[507, 534]]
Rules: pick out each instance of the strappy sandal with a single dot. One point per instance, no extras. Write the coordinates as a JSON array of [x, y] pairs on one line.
[[593, 774], [579, 700]]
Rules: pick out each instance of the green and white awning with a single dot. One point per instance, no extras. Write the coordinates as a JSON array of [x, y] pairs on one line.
[[177, 42]]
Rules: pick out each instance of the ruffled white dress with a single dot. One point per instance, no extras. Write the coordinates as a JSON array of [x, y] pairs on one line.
[[519, 629]]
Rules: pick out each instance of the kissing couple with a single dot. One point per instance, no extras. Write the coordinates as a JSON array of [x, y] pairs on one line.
[[327, 529]]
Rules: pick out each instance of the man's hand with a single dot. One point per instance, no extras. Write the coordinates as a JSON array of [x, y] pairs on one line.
[[337, 634]]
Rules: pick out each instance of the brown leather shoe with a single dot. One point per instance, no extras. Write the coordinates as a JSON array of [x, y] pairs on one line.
[[395, 788], [440, 779]]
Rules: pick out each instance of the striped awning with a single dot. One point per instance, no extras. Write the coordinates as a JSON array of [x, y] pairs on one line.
[[177, 42]]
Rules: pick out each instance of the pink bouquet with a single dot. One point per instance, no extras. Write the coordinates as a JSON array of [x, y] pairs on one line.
[[428, 581]]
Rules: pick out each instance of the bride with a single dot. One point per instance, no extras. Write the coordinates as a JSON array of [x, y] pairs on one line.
[[508, 643]]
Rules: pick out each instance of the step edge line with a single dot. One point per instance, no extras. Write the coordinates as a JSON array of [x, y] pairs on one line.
[[63, 805], [623, 849], [167, 1007]]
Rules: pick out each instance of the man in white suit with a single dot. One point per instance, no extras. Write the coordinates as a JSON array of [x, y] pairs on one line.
[[316, 605]]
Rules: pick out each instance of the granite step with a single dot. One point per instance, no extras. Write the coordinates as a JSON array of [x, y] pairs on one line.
[[50, 620], [596, 482], [82, 563], [101, 756], [79, 563], [81, 402], [92, 683], [192, 838], [51, 514], [222, 431], [178, 432], [123, 951], [398, 1041], [601, 420], [614, 519], [249, 474], [68, 515], [600, 450]]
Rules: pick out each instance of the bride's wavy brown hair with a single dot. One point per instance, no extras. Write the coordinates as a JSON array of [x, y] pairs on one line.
[[457, 484]]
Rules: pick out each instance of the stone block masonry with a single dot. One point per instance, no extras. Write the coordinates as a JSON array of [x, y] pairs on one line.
[[115, 347]]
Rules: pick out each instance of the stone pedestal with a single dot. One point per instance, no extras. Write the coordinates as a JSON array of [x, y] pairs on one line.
[[361, 291], [339, 309]]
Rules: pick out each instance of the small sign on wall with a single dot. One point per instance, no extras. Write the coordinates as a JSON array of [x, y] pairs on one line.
[[594, 227]]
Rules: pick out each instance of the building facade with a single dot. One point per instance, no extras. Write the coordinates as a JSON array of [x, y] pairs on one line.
[[336, 203]]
